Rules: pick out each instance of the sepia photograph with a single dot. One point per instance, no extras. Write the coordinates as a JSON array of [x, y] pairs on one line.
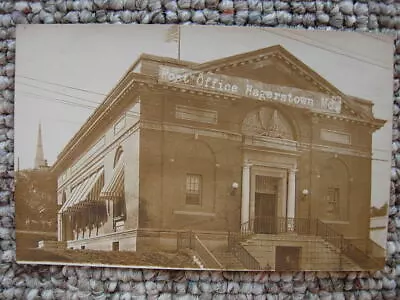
[[202, 147]]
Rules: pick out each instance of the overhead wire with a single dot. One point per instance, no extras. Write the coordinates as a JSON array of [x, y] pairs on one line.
[[74, 104], [273, 32], [61, 85], [58, 92], [354, 55]]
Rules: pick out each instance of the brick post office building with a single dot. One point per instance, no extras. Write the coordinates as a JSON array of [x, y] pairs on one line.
[[256, 144]]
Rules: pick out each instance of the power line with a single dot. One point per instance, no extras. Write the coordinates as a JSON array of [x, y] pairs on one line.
[[61, 85], [92, 108], [64, 121], [323, 48], [367, 59], [74, 104], [60, 93], [71, 103]]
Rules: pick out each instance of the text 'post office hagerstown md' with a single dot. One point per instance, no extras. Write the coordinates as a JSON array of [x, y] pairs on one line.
[[253, 161]]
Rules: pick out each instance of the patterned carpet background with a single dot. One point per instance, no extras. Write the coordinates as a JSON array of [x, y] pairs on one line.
[[57, 282]]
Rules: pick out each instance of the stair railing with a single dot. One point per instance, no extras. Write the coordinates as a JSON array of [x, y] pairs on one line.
[[328, 234], [241, 253], [350, 249], [189, 240], [368, 255], [206, 256], [278, 225]]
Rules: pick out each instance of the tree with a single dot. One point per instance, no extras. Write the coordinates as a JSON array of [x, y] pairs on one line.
[[36, 200]]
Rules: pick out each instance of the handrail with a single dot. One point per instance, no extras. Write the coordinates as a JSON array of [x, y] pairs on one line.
[[241, 252], [277, 225], [347, 247], [368, 255], [364, 252], [368, 246], [205, 254]]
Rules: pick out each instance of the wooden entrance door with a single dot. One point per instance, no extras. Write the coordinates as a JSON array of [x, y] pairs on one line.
[[265, 213], [287, 258], [265, 200]]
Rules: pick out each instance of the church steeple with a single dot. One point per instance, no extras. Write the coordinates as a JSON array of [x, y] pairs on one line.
[[40, 162]]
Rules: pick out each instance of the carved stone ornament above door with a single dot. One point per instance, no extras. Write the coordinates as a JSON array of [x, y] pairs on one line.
[[267, 122]]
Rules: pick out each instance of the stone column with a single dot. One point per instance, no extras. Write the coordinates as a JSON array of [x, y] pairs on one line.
[[291, 199], [245, 194]]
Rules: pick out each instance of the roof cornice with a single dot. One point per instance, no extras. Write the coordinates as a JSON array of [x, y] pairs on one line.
[[290, 60], [124, 86], [131, 79]]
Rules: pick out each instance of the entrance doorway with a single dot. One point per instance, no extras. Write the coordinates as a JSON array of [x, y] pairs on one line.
[[266, 197], [287, 258]]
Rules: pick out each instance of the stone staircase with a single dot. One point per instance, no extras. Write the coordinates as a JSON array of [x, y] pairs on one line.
[[316, 253], [228, 259]]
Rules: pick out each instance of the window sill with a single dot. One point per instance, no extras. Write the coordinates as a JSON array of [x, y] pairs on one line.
[[194, 213]]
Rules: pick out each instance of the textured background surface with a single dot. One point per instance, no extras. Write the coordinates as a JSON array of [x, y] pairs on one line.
[[56, 282]]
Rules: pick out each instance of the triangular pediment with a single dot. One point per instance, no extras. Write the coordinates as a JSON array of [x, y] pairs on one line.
[[272, 65], [275, 65], [272, 70]]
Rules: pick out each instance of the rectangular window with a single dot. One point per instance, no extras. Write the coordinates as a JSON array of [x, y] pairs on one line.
[[335, 136], [334, 200], [193, 189], [196, 114], [120, 125], [119, 208]]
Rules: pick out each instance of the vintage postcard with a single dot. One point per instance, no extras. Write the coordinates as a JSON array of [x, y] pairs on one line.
[[202, 147]]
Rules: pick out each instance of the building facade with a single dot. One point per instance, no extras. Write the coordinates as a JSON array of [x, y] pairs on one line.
[[256, 144]]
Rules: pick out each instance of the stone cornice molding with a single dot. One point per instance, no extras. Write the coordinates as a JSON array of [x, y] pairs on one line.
[[132, 81], [337, 150], [373, 124], [104, 110], [279, 52], [257, 56]]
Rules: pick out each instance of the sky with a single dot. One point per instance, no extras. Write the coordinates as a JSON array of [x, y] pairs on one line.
[[64, 71]]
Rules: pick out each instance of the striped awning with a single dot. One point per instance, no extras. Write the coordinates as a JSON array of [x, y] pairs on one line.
[[114, 189], [87, 191]]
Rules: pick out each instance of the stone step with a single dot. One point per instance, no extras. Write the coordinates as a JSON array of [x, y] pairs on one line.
[[320, 254], [227, 258], [285, 236]]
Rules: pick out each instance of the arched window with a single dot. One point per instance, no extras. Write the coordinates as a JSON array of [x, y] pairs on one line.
[[334, 190], [119, 203], [118, 155], [196, 164]]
